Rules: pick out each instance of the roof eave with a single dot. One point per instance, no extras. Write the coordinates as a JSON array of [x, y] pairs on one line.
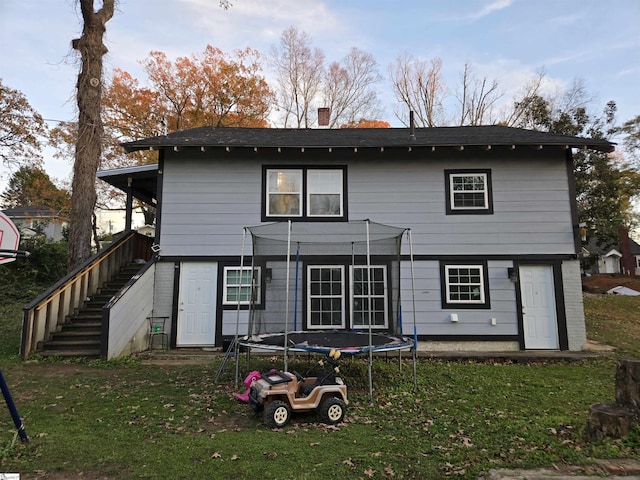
[[135, 146]]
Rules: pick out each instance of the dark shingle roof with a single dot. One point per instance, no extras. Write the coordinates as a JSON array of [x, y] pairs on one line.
[[34, 211], [493, 135]]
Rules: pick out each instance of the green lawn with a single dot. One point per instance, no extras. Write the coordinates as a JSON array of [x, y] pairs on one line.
[[127, 419]]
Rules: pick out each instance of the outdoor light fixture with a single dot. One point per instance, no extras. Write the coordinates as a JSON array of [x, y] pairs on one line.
[[512, 273], [268, 275]]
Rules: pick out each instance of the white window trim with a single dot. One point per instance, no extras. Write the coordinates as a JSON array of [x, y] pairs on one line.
[[384, 296], [308, 192], [300, 193], [304, 193], [482, 300], [309, 297], [452, 192], [257, 293]]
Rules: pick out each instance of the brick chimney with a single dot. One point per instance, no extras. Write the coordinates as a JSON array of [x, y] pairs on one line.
[[627, 262], [324, 115]]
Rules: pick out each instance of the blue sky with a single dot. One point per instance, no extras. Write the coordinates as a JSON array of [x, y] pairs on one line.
[[597, 41]]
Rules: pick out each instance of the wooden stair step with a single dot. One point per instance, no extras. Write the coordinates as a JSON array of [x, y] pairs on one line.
[[87, 352]]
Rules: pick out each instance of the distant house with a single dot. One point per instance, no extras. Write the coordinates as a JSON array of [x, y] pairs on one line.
[[610, 258], [38, 218]]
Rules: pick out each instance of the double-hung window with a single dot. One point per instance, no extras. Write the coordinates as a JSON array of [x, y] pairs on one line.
[[464, 285], [468, 192], [240, 287], [325, 304], [367, 300], [305, 193], [328, 296]]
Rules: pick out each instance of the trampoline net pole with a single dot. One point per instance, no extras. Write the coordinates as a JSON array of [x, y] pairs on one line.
[[235, 342], [286, 315], [369, 307], [413, 300]]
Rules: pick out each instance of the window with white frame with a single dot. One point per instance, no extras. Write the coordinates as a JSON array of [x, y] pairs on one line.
[[363, 302], [284, 193], [240, 287], [325, 304], [324, 193], [465, 285], [304, 192], [468, 191]]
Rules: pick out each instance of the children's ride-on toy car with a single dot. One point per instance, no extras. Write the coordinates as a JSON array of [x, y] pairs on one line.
[[278, 394]]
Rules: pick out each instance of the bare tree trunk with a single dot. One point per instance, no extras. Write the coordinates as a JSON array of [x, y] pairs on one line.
[[90, 128]]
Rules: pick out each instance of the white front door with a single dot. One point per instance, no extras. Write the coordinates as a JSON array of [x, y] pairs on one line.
[[197, 304], [538, 307]]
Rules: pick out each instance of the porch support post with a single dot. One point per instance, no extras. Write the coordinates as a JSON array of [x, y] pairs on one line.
[[129, 207]]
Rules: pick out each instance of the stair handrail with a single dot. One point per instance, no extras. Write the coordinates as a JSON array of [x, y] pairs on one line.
[[43, 314]]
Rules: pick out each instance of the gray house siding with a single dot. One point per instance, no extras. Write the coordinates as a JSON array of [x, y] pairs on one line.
[[207, 203], [207, 200], [434, 321]]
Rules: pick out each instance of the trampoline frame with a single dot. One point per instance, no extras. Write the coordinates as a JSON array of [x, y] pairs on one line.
[[249, 343]]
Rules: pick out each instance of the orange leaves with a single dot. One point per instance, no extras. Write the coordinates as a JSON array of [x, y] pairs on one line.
[[364, 123], [212, 89], [21, 128]]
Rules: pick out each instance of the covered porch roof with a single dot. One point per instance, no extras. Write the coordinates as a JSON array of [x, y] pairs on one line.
[[142, 180]]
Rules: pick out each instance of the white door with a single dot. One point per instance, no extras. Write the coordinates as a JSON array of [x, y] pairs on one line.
[[197, 304], [538, 307]]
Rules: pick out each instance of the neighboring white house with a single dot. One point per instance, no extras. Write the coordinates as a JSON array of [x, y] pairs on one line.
[[38, 218]]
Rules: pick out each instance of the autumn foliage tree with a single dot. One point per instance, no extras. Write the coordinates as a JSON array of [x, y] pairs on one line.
[[211, 89], [364, 123], [21, 129], [30, 186]]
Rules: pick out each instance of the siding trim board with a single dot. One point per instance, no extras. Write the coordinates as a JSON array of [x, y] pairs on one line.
[[159, 190], [173, 337], [403, 258], [574, 203], [469, 338]]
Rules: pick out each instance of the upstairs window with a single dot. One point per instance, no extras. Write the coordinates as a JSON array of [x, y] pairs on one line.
[[284, 193], [468, 192], [304, 193]]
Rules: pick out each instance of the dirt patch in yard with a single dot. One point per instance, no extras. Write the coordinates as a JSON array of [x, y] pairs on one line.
[[603, 282]]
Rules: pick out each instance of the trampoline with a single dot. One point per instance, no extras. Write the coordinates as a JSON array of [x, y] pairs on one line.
[[347, 341], [348, 274]]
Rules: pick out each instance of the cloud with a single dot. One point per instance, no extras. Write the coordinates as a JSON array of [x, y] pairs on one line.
[[489, 8], [260, 23]]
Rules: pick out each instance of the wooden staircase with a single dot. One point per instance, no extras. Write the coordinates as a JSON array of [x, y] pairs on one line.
[[80, 334]]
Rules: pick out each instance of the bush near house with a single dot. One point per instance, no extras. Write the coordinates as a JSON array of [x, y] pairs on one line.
[[25, 278]]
